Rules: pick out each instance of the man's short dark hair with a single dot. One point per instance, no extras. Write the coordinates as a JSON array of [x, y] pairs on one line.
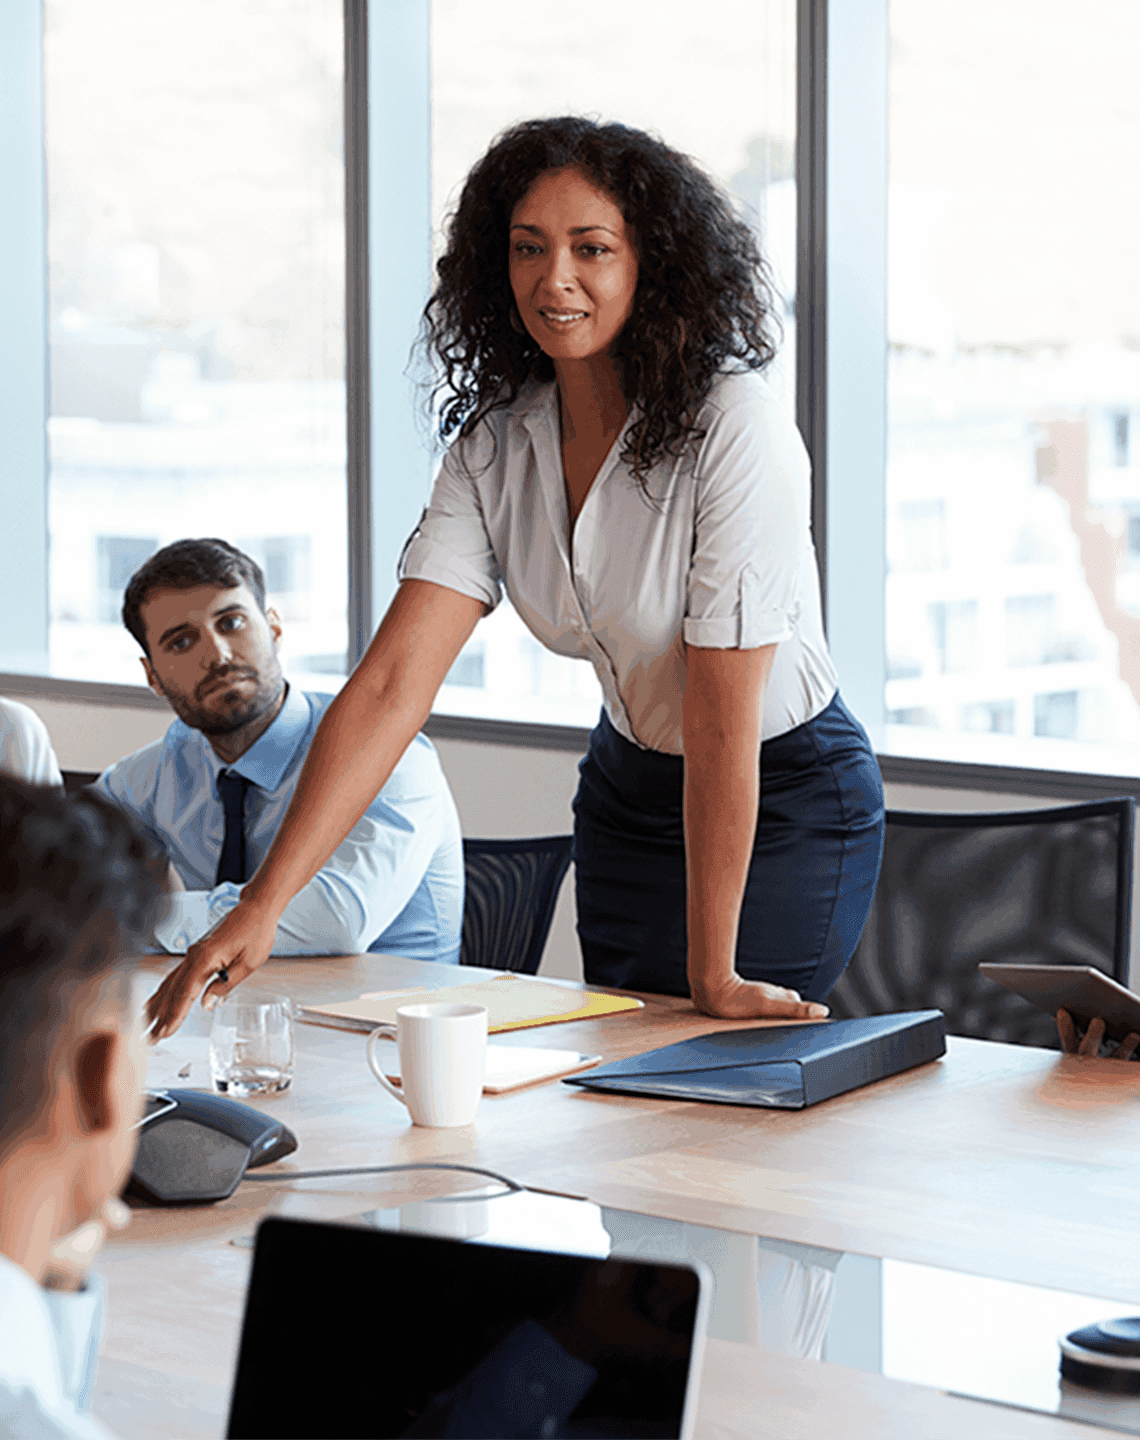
[[79, 889], [184, 565]]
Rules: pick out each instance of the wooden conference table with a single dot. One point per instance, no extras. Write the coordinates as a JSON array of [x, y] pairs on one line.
[[1003, 1161]]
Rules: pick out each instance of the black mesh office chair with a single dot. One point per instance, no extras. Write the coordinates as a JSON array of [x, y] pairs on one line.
[[1045, 886], [512, 887], [76, 780]]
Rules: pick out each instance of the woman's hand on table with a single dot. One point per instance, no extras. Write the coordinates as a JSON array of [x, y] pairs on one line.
[[737, 999], [1073, 1043], [237, 946]]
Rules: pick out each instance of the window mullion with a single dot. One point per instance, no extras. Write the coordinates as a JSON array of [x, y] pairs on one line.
[[23, 326]]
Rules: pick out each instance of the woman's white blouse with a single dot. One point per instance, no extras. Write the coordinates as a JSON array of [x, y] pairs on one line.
[[719, 556]]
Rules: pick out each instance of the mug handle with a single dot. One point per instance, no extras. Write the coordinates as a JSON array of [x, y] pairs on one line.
[[374, 1064]]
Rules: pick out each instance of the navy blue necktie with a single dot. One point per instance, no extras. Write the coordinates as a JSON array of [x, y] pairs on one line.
[[231, 792]]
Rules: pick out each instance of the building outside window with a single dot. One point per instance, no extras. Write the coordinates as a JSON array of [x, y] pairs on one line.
[[1057, 716], [993, 718], [285, 562], [195, 173], [920, 541], [954, 628], [117, 559], [1121, 425], [197, 322], [1013, 373]]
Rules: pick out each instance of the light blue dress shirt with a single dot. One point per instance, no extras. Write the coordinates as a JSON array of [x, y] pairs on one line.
[[48, 1343], [395, 884]]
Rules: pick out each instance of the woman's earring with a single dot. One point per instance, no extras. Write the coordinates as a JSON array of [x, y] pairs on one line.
[[516, 321]]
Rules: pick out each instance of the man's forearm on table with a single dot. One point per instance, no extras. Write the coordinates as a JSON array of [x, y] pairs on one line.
[[309, 924]]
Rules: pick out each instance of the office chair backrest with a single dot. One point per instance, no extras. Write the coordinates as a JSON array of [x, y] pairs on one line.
[[1049, 886], [512, 887], [76, 780]]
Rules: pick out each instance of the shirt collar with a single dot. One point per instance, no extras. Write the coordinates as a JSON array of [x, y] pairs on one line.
[[534, 397], [538, 414], [27, 1342], [537, 408], [270, 755]]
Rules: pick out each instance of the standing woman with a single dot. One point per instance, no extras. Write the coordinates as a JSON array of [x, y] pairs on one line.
[[621, 468]]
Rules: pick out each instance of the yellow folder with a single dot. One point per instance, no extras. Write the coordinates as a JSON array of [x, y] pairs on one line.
[[514, 1002]]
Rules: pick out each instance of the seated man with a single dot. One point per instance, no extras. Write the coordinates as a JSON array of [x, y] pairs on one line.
[[77, 890], [25, 749], [213, 791]]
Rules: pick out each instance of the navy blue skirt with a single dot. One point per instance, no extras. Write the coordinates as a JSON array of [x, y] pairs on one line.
[[819, 841]]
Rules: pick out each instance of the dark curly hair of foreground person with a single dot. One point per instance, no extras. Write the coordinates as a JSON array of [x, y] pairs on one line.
[[703, 296]]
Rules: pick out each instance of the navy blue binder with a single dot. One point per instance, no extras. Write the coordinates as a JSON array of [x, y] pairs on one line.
[[783, 1067]]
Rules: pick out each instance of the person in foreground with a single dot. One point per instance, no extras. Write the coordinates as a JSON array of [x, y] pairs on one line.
[[622, 469], [213, 790], [78, 888]]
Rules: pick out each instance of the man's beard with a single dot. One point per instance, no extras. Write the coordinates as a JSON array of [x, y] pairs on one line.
[[245, 710]]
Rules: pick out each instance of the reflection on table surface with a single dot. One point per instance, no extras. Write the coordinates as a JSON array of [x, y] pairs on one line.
[[970, 1335]]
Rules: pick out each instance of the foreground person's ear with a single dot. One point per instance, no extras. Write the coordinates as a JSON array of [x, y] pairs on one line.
[[94, 1073]]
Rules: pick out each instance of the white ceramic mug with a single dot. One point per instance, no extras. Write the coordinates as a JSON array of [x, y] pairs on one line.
[[443, 1061]]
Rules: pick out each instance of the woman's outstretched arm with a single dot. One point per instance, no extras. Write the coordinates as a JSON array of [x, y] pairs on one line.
[[724, 702], [358, 743]]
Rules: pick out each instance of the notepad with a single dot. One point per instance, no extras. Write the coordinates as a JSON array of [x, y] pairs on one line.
[[514, 1002], [509, 1067]]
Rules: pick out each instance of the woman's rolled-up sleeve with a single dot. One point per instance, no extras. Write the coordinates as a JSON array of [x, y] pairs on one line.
[[450, 546], [750, 525]]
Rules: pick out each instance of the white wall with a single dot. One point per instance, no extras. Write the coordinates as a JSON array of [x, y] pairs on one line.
[[91, 737], [499, 791]]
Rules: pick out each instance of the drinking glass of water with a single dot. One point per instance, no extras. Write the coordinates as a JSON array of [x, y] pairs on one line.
[[251, 1045]]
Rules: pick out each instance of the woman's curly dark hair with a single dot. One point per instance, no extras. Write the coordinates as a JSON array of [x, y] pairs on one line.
[[703, 295]]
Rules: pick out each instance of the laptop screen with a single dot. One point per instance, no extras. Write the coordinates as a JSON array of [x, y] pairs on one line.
[[356, 1332]]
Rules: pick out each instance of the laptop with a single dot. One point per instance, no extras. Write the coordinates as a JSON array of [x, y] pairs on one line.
[[359, 1332]]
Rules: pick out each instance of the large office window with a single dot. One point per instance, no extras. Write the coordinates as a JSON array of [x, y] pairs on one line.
[[717, 81], [196, 190], [195, 203], [1013, 475]]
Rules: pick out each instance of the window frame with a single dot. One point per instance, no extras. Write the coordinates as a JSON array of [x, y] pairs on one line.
[[24, 323], [841, 169]]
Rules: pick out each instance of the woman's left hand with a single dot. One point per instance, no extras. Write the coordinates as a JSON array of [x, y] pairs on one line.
[[737, 999], [723, 709]]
